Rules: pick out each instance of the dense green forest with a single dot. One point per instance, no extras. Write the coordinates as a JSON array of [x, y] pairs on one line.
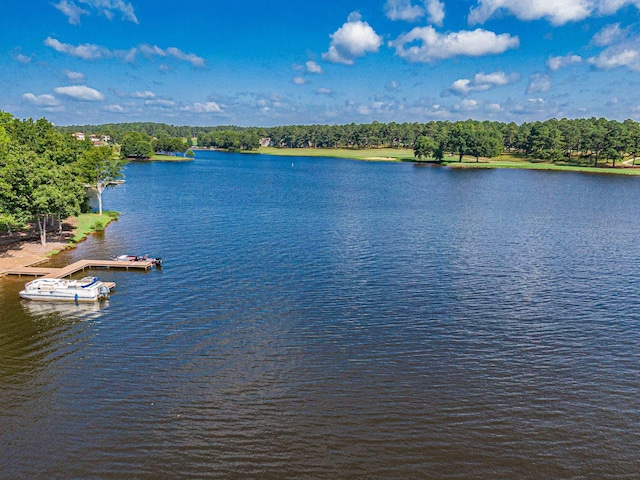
[[589, 141], [45, 173]]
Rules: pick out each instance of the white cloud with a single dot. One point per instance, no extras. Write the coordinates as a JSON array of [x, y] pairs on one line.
[[622, 49], [108, 7], [435, 9], [403, 10], [193, 59], [539, 83], [80, 92], [128, 56], [467, 105], [614, 58], [557, 12], [354, 39], [313, 67], [41, 100], [89, 51], [72, 11], [495, 79], [556, 63], [150, 51], [158, 102], [146, 94], [494, 107], [267, 102], [533, 108], [609, 7], [208, 107], [609, 35], [407, 11], [86, 51], [104, 7], [75, 77], [462, 86], [427, 45], [23, 59], [114, 108], [299, 80], [392, 86], [482, 82], [324, 91]]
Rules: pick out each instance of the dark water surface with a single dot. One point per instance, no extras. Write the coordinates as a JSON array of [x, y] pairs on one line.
[[324, 318]]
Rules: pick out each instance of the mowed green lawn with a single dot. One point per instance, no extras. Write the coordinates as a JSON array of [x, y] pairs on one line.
[[170, 158], [370, 154], [406, 155], [515, 161]]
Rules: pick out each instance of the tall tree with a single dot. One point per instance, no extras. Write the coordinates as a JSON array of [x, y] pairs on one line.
[[458, 138], [36, 186], [424, 147], [596, 137], [483, 141], [509, 134], [617, 141], [633, 129], [136, 145], [100, 170]]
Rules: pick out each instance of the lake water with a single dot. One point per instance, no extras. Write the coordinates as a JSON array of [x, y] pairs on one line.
[[327, 318]]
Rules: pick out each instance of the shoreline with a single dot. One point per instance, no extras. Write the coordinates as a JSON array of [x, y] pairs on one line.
[[169, 158], [23, 249], [406, 155]]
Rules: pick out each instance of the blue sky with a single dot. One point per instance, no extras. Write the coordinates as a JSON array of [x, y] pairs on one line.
[[251, 63]]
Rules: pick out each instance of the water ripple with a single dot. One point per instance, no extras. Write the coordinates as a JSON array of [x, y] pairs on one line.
[[338, 320]]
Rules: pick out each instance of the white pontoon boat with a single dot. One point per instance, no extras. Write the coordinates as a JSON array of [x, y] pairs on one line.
[[88, 289]]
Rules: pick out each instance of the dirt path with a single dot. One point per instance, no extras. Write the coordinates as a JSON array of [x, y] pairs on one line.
[[23, 248]]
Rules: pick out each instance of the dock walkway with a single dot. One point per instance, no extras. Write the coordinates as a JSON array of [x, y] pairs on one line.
[[78, 266]]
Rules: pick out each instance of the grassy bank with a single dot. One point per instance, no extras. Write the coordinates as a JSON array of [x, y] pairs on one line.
[[511, 161], [92, 222], [368, 154], [406, 155], [86, 224], [170, 158]]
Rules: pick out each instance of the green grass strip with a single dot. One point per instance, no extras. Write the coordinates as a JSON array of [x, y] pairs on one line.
[[93, 222], [170, 158]]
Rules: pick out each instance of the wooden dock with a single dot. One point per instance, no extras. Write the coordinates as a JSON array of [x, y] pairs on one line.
[[78, 266]]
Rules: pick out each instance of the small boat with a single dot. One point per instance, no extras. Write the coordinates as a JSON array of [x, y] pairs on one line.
[[87, 289], [137, 258]]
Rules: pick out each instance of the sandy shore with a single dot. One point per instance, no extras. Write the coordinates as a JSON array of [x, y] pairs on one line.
[[23, 249]]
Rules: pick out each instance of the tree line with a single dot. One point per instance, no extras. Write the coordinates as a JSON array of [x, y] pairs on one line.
[[579, 141], [45, 174], [233, 140], [118, 131]]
